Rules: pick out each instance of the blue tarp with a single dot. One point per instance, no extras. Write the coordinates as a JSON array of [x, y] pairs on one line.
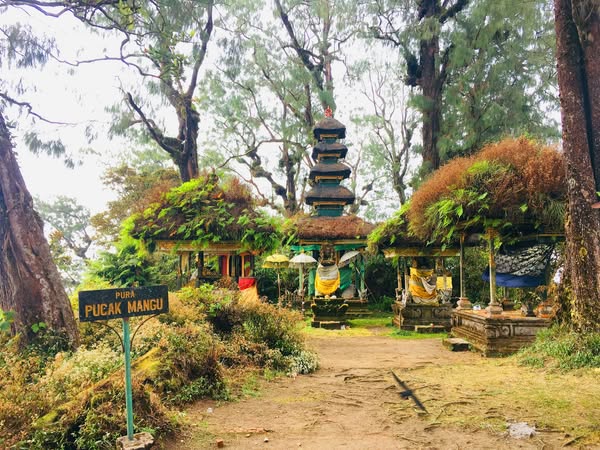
[[514, 281]]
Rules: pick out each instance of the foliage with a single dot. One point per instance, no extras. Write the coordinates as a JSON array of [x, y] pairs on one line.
[[137, 188], [129, 266], [67, 225], [206, 210], [484, 69], [380, 279], [513, 186], [75, 399], [388, 233], [502, 78], [253, 333], [562, 348], [6, 319]]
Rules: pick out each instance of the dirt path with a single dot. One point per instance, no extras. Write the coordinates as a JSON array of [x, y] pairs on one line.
[[351, 402]]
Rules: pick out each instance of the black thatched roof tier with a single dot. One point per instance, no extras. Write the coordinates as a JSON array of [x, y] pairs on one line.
[[329, 193], [332, 228], [335, 149], [331, 170], [329, 126]]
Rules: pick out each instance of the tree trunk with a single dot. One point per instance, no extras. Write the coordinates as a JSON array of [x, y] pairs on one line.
[[432, 95], [582, 228], [30, 284]]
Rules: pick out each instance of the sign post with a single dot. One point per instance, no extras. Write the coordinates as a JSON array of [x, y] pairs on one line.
[[128, 390], [123, 303]]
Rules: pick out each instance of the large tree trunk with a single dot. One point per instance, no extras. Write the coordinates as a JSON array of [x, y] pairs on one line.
[[578, 78], [430, 84], [30, 284]]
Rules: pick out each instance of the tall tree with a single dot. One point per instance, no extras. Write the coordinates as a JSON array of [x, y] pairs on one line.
[[164, 45], [68, 229], [71, 220], [479, 67], [279, 76], [30, 283], [390, 125], [427, 64], [577, 48]]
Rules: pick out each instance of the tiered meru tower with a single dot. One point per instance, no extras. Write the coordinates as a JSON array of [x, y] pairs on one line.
[[327, 195]]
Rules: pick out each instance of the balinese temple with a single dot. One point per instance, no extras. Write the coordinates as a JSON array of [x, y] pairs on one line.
[[200, 223], [335, 239]]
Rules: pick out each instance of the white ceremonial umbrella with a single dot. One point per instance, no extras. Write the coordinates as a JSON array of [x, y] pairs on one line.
[[348, 257], [300, 261]]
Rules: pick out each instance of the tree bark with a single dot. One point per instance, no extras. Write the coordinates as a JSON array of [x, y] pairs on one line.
[[431, 77], [30, 283], [431, 87], [578, 79]]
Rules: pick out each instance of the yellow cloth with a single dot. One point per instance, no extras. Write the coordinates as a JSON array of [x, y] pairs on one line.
[[440, 282], [417, 284], [327, 287]]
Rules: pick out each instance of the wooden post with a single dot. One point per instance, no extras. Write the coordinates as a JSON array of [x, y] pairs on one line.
[[463, 301], [494, 308]]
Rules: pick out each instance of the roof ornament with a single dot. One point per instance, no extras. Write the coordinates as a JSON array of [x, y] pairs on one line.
[[328, 112]]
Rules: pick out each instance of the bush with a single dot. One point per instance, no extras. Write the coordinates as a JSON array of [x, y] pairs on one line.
[[380, 278], [74, 400], [561, 348]]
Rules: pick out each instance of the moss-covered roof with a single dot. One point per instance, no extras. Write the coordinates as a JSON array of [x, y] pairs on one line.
[[515, 186], [208, 210]]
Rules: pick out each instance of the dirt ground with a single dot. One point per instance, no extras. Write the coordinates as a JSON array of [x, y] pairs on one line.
[[353, 402]]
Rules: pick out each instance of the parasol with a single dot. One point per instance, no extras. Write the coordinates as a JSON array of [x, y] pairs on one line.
[[348, 257], [276, 261], [300, 261]]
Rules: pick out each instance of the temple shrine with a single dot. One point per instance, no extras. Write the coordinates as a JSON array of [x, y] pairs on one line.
[[337, 240]]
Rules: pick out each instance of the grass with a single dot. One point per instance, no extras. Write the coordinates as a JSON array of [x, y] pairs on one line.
[[377, 324], [405, 334], [493, 392]]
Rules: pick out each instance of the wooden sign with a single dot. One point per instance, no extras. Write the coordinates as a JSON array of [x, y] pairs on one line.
[[105, 304]]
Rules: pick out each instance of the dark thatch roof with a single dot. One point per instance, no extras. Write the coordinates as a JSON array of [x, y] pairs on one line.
[[322, 148], [329, 192], [332, 228], [335, 169], [329, 125]]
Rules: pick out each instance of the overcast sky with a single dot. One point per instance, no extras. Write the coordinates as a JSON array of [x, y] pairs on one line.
[[80, 99]]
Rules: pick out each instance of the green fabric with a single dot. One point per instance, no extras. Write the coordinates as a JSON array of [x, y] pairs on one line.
[[311, 282], [348, 246], [345, 277]]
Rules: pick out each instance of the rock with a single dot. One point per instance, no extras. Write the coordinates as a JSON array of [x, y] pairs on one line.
[[140, 441], [520, 430], [456, 344]]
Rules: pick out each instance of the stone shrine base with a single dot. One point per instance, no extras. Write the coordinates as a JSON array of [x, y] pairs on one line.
[[498, 335], [357, 308], [333, 313], [421, 317]]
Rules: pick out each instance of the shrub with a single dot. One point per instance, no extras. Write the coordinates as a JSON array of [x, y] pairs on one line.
[[561, 348], [76, 400]]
